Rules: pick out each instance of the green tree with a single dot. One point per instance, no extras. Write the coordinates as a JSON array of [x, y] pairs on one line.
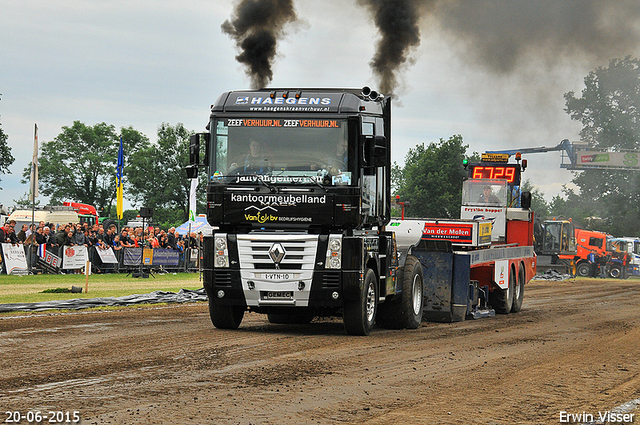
[[157, 176], [6, 159], [609, 110], [431, 179], [80, 163]]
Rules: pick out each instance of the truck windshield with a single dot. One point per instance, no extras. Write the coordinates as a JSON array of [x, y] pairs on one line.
[[316, 149], [481, 192]]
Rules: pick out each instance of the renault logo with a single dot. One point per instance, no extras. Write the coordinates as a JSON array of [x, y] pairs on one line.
[[277, 253]]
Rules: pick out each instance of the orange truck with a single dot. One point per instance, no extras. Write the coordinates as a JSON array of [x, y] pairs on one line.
[[598, 243]]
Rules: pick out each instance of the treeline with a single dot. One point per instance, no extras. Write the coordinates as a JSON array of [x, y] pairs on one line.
[[80, 165]]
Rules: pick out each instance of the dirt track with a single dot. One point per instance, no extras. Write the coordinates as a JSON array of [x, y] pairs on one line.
[[574, 348]]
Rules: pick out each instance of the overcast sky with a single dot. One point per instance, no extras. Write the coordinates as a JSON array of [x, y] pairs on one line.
[[147, 62]]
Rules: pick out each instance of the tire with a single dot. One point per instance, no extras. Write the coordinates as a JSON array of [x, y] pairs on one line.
[[615, 272], [225, 316], [296, 318], [502, 299], [107, 223], [584, 270], [518, 294], [359, 315], [406, 310]]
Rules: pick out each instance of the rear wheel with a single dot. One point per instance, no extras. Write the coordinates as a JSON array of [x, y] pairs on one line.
[[502, 299], [225, 316], [406, 310], [584, 270], [359, 315], [518, 294]]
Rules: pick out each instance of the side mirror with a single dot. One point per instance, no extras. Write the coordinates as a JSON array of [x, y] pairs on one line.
[[375, 151], [192, 171], [194, 149], [525, 200]]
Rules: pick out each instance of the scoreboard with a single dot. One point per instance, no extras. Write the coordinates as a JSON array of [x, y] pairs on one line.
[[508, 172]]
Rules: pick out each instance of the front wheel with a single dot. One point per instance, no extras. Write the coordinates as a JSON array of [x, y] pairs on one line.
[[225, 316], [584, 270], [406, 310], [359, 315]]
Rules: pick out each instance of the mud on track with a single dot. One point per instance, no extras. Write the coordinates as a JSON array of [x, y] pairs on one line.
[[574, 347]]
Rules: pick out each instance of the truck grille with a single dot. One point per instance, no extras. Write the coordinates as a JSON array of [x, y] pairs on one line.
[[256, 251]]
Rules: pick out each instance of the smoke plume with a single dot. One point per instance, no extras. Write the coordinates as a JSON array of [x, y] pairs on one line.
[[397, 22], [503, 36], [256, 26]]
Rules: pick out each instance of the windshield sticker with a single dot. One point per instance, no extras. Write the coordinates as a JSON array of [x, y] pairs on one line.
[[268, 122], [278, 179]]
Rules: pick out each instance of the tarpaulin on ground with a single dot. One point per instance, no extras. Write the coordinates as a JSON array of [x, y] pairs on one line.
[[552, 275], [183, 296]]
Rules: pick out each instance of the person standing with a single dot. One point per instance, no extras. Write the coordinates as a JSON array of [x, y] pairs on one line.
[[22, 234]]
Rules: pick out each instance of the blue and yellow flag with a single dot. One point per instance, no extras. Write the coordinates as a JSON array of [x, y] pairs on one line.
[[119, 169]]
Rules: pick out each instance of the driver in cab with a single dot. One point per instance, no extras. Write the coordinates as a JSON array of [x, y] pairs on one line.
[[487, 196]]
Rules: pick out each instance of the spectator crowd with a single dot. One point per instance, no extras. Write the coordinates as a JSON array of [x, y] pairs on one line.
[[95, 237]]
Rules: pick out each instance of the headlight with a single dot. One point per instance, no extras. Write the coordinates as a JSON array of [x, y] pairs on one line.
[[221, 244], [221, 257], [221, 261], [334, 252]]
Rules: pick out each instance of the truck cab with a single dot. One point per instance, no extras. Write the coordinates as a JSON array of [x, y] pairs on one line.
[[299, 190]]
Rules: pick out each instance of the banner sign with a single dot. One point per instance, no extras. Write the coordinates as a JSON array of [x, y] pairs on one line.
[[455, 232], [151, 257], [74, 257], [132, 256], [147, 256], [165, 257], [15, 259], [50, 258], [107, 256], [608, 159]]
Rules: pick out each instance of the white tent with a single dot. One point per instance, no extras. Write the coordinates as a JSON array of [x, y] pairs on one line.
[[198, 226]]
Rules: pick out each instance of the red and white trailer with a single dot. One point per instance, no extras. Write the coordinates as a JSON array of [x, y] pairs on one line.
[[477, 265]]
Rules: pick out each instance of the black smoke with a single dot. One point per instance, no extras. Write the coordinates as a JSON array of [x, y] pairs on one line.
[[256, 26], [503, 36], [397, 23]]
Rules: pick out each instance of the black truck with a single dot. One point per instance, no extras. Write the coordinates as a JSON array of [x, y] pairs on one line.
[[299, 189]]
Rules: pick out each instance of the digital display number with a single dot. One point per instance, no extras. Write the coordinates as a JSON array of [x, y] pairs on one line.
[[507, 172]]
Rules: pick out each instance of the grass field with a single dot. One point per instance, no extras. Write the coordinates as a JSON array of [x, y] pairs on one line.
[[28, 289]]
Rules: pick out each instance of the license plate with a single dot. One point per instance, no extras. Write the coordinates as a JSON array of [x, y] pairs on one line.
[[278, 295], [278, 276]]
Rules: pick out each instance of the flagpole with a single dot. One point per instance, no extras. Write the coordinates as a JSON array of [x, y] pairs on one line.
[[34, 185], [192, 217]]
